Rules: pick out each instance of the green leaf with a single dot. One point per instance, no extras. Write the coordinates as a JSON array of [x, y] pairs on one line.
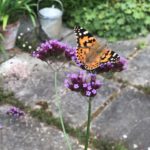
[[121, 21], [5, 21], [33, 20], [128, 28], [101, 15], [144, 31], [96, 24], [147, 20], [138, 15], [128, 11]]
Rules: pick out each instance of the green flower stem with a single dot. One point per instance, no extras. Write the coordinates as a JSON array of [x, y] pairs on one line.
[[88, 125], [60, 113]]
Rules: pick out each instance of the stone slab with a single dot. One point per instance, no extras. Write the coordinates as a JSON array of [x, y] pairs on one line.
[[124, 48], [28, 134], [126, 119], [138, 72], [38, 85], [71, 40], [30, 79], [65, 31]]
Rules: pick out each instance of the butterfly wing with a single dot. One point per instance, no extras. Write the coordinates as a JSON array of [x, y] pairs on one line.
[[85, 42], [90, 52]]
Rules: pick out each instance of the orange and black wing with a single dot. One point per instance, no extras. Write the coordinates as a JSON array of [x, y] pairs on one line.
[[85, 42], [90, 52]]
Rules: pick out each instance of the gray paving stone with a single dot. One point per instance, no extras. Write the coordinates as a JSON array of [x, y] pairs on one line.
[[65, 31], [71, 40], [127, 119], [124, 48], [38, 85], [74, 106], [29, 78], [28, 134], [138, 72], [127, 47]]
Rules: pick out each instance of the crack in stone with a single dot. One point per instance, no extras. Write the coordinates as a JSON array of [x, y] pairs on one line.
[[135, 125], [67, 35], [102, 107], [135, 53]]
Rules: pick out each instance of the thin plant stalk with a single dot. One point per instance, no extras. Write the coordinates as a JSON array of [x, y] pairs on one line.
[[60, 113], [88, 124], [1, 137]]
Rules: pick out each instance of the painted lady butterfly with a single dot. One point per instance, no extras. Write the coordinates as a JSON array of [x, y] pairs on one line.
[[92, 53]]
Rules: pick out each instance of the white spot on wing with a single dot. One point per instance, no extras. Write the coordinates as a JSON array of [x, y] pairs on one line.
[[114, 54], [85, 32]]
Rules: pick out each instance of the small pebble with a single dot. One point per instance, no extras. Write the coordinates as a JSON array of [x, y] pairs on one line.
[[135, 146], [19, 37], [30, 47], [125, 136], [24, 45], [28, 29], [21, 34]]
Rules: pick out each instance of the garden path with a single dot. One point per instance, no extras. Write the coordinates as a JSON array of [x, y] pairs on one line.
[[120, 111]]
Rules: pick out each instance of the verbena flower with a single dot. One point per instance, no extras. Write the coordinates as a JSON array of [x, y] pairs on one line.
[[114, 67], [15, 112], [69, 53], [53, 48], [86, 84], [120, 65]]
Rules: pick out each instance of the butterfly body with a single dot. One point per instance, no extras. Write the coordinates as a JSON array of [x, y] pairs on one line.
[[90, 52]]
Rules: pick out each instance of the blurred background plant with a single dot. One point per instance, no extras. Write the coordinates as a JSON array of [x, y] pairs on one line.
[[10, 14], [10, 11], [111, 19]]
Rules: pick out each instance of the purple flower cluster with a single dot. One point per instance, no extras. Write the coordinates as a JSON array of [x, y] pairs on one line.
[[80, 82], [120, 65], [15, 112], [53, 48], [70, 52], [114, 67]]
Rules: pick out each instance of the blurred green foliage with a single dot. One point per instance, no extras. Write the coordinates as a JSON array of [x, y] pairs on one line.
[[112, 19]]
